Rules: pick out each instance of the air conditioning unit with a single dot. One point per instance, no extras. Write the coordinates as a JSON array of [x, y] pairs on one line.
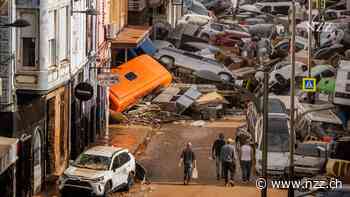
[[112, 31]]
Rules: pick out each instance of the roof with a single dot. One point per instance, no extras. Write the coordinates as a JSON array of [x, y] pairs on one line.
[[107, 151], [131, 36]]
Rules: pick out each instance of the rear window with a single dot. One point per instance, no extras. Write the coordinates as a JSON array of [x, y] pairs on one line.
[[130, 76]]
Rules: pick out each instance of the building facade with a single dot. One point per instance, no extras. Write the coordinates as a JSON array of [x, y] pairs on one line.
[[43, 63]]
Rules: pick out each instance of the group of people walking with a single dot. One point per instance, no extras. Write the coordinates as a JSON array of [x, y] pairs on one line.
[[225, 154]]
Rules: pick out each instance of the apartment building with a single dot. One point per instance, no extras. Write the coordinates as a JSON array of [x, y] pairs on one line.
[[41, 66]]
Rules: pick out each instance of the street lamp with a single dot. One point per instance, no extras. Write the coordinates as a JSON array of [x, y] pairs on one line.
[[19, 23]]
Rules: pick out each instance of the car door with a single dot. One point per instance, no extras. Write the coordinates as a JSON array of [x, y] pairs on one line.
[[125, 164], [117, 172]]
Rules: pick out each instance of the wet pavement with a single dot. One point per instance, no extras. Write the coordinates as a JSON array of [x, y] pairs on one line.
[[159, 151]]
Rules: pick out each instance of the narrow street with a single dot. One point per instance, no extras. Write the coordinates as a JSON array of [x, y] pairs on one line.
[[161, 159]]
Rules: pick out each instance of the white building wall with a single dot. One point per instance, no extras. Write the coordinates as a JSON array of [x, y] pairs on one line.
[[78, 36], [61, 46]]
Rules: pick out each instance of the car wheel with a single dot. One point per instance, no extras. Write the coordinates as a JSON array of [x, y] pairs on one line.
[[225, 77], [108, 189], [205, 37], [167, 61], [130, 182]]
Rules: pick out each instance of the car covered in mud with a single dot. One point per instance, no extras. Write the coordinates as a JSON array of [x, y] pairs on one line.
[[99, 171]]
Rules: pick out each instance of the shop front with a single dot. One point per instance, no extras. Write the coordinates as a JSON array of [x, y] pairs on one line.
[[8, 158]]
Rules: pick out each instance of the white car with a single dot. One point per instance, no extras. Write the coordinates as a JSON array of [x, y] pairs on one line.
[[195, 19], [283, 69], [99, 170]]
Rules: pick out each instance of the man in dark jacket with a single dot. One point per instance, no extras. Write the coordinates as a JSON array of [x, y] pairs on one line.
[[188, 158], [228, 158], [215, 152]]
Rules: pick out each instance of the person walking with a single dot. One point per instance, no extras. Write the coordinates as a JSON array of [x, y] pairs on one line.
[[246, 153], [215, 152], [188, 159], [228, 159]]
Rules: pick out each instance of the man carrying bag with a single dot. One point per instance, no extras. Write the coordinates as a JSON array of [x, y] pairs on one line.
[[228, 158], [188, 158]]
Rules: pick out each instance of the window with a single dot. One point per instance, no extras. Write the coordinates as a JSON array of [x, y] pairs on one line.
[[116, 163], [62, 34], [281, 9], [278, 135], [52, 49], [28, 41], [124, 158], [266, 9], [327, 73], [28, 51], [217, 27], [347, 87], [131, 76]]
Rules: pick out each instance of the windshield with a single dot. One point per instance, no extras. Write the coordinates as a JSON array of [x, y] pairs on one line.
[[277, 135], [95, 162]]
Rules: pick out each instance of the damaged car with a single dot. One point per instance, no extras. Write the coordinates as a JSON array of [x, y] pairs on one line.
[[99, 170], [310, 158]]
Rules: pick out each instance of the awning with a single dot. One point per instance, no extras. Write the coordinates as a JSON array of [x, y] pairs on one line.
[[8, 152], [130, 37]]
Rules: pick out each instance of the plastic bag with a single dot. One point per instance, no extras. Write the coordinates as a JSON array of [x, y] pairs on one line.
[[195, 173]]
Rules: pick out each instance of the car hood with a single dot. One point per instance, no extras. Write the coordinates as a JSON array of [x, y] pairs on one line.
[[83, 172]]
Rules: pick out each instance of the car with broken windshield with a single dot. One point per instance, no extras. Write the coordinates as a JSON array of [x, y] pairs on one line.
[[99, 171]]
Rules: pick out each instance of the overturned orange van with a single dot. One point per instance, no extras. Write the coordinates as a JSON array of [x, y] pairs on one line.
[[137, 78]]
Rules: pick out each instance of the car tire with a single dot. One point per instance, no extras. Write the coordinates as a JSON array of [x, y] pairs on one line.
[[130, 181], [225, 77], [167, 61], [108, 189], [205, 37]]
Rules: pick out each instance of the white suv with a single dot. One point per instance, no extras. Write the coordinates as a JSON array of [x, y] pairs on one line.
[[99, 170]]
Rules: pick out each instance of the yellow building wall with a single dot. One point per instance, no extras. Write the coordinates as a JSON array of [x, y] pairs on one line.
[[118, 12]]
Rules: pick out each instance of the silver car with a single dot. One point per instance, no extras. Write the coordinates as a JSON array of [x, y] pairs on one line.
[[192, 62]]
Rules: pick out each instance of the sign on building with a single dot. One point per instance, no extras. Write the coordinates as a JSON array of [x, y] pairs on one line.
[[309, 84]]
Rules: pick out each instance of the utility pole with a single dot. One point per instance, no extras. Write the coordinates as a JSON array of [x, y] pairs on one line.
[[309, 58], [265, 129], [292, 97]]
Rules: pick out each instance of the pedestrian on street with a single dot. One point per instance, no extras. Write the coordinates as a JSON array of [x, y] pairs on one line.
[[215, 152], [246, 155], [228, 159], [188, 159]]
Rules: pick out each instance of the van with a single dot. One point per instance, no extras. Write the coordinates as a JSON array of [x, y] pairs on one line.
[[342, 84], [278, 144], [137, 78], [277, 134], [281, 8]]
